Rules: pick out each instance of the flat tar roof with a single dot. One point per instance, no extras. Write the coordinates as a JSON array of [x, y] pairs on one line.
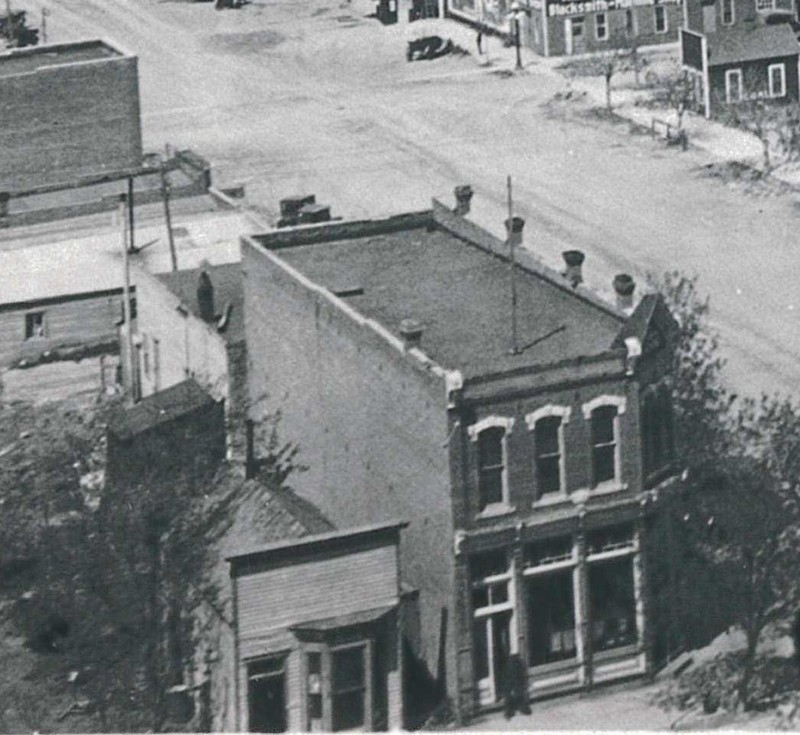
[[26, 60], [461, 293]]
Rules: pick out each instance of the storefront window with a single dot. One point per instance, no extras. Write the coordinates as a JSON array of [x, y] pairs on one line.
[[491, 575], [348, 687], [496, 12], [551, 618], [613, 605], [468, 6]]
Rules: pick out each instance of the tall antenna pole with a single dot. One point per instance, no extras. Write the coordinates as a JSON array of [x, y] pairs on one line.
[[512, 237]]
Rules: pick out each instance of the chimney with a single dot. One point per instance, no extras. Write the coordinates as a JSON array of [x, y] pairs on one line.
[[250, 455], [411, 331], [573, 259], [463, 198], [624, 286], [514, 227], [205, 296]]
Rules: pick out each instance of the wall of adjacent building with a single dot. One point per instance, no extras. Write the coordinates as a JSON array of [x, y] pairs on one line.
[[370, 424], [69, 321], [68, 121], [754, 73]]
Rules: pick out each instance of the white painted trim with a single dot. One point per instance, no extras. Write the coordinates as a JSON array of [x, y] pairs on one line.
[[546, 412], [504, 422], [612, 554], [555, 566], [730, 74], [782, 69], [605, 400]]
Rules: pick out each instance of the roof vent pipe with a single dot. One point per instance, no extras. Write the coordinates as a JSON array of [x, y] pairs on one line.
[[573, 259], [411, 331], [205, 296], [514, 227], [624, 286], [463, 198]]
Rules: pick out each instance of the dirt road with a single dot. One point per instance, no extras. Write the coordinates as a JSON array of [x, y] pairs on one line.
[[315, 97]]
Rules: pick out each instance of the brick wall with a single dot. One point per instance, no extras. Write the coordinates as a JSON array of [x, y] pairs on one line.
[[63, 122], [370, 423]]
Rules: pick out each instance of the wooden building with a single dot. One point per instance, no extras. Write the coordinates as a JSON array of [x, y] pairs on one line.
[[317, 643], [530, 463], [740, 50]]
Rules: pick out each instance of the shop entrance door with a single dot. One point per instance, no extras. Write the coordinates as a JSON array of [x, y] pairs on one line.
[[493, 646], [574, 35], [266, 695]]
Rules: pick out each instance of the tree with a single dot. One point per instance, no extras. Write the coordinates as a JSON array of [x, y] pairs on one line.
[[740, 512], [618, 57], [676, 91]]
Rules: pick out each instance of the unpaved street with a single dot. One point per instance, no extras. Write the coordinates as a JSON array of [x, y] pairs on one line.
[[288, 97]]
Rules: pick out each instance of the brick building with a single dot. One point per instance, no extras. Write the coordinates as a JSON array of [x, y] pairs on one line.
[[69, 110], [190, 324], [741, 49], [529, 476], [566, 27]]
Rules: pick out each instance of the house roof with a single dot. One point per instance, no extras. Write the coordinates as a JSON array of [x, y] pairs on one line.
[[159, 408], [228, 289], [751, 43], [459, 289]]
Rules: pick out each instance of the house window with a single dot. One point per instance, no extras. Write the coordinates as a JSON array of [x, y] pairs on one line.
[[733, 86], [601, 26], [266, 695], [348, 687], [777, 80], [765, 5], [146, 354], [491, 436], [657, 430], [728, 13], [314, 673], [156, 364], [613, 603], [630, 23], [34, 325], [660, 18]]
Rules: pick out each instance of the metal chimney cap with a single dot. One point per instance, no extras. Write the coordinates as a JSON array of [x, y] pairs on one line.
[[514, 225], [624, 284], [573, 257]]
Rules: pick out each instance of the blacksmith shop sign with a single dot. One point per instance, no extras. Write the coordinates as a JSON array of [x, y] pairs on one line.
[[600, 6]]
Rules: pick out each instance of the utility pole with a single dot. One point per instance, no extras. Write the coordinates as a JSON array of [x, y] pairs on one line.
[[45, 13], [126, 304], [131, 244], [168, 217]]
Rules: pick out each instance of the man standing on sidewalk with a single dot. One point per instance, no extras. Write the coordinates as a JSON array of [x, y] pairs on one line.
[[515, 687]]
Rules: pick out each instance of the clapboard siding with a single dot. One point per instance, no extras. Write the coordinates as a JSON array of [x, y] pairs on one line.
[[323, 588], [72, 322]]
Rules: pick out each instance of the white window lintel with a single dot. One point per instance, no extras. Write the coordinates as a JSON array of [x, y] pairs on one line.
[[490, 422], [546, 412], [605, 400]]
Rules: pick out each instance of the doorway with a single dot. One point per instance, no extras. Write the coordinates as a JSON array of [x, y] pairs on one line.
[[266, 695], [492, 648], [574, 35]]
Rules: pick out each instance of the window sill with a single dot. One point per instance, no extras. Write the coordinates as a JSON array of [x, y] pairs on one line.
[[606, 488], [496, 510], [551, 499]]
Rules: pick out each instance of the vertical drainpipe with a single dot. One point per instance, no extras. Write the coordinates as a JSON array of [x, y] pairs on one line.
[[520, 607], [584, 612]]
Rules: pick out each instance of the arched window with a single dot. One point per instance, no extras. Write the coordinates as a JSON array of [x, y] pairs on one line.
[[490, 434], [547, 425], [603, 414]]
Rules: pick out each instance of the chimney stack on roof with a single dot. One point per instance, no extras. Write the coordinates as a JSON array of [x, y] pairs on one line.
[[624, 286], [574, 270], [411, 331], [514, 227], [463, 198], [205, 294]]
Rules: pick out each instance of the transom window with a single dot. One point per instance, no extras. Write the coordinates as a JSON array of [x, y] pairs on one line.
[[491, 577], [777, 80], [546, 553], [610, 538]]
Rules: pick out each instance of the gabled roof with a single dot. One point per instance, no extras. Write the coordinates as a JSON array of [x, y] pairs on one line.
[[751, 43], [159, 408]]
